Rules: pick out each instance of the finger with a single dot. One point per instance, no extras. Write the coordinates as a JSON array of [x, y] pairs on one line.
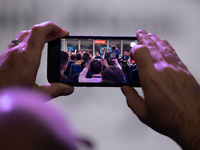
[[167, 51], [161, 43], [42, 33], [20, 37], [168, 44], [135, 101], [145, 39], [158, 42], [56, 89], [142, 57], [145, 64], [172, 59]]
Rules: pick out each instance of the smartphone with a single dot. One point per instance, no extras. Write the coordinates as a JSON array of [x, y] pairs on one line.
[[92, 61]]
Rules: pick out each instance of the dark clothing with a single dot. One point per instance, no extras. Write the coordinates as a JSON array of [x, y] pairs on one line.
[[125, 58], [83, 65], [107, 55], [67, 71], [98, 57], [117, 53]]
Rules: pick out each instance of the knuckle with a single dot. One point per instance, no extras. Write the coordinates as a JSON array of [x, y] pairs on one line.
[[149, 43], [152, 48], [36, 29], [22, 32], [40, 27], [49, 22], [25, 32], [169, 69], [165, 41]]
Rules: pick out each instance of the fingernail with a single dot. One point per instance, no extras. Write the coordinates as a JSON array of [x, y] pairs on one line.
[[68, 90], [142, 31]]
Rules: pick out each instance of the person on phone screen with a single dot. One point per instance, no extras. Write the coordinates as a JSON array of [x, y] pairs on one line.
[[96, 68]]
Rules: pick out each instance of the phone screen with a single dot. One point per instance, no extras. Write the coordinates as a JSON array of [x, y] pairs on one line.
[[97, 61]]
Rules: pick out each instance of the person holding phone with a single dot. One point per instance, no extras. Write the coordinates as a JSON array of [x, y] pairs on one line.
[[171, 103], [96, 68]]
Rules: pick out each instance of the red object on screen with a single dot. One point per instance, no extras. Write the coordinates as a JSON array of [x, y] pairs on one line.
[[100, 41]]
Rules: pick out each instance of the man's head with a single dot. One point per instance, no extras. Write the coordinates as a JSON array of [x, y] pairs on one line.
[[27, 123], [96, 53], [113, 74], [86, 56], [96, 67], [126, 53], [103, 50], [78, 56], [72, 57], [63, 59], [114, 48]]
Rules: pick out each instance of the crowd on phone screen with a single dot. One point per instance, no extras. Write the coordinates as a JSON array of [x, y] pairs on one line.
[[104, 67]]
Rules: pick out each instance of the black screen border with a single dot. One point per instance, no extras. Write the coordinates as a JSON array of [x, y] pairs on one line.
[[53, 61]]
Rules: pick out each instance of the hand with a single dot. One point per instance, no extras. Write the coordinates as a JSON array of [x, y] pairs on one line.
[[171, 103], [116, 61], [105, 63], [20, 62]]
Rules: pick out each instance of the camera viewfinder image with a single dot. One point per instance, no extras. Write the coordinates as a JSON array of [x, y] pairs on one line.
[[97, 61]]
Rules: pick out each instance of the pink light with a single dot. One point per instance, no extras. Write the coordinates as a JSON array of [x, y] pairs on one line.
[[6, 103]]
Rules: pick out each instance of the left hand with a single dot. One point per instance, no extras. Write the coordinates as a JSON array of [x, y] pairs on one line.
[[20, 62], [171, 102]]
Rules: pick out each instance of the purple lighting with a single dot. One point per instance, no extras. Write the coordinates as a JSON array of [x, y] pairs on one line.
[[6, 103]]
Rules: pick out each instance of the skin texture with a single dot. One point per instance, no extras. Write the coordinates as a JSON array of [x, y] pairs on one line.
[[25, 120], [171, 103], [19, 63]]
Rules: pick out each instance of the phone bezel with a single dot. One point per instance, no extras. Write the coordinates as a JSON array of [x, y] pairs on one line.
[[53, 61]]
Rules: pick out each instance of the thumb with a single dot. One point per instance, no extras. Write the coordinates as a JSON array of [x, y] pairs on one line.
[[144, 63], [135, 101], [56, 89], [142, 57]]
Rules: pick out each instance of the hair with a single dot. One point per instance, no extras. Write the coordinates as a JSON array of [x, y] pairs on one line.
[[78, 56], [72, 57], [113, 47], [96, 66], [86, 56], [63, 59], [113, 74], [25, 126], [96, 52]]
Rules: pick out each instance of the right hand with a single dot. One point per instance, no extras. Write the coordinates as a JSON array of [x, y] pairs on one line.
[[171, 103], [105, 63], [116, 61]]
